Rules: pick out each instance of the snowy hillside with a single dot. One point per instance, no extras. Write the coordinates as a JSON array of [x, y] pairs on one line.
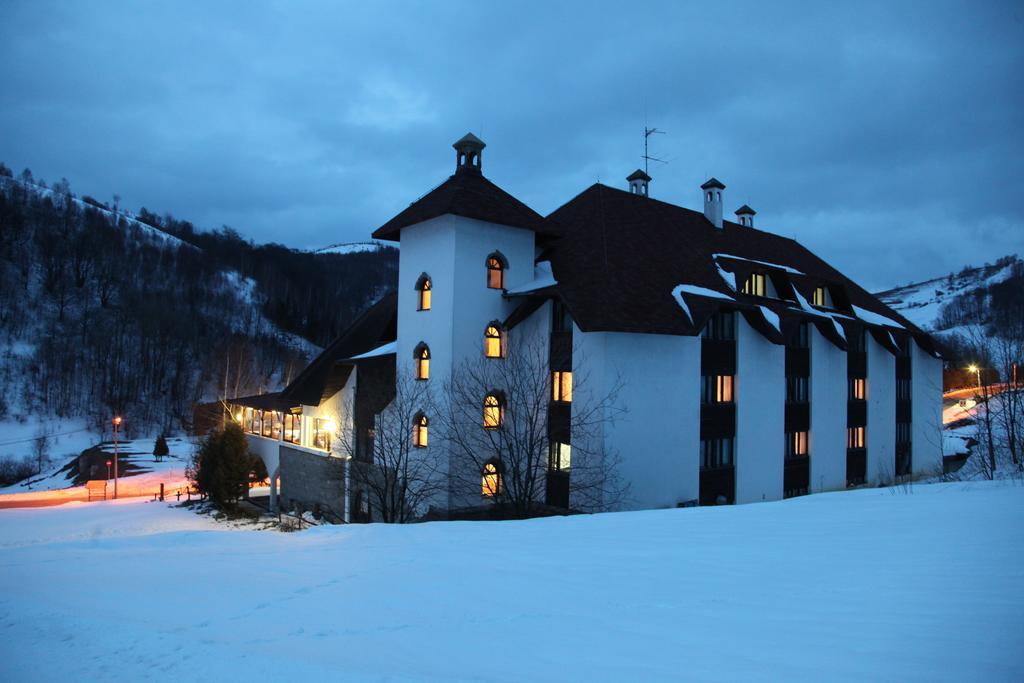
[[925, 303], [352, 248], [876, 584]]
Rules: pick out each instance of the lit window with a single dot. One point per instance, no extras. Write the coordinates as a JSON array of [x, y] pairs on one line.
[[561, 387], [322, 429], [492, 412], [490, 481], [257, 422], [855, 437], [293, 428], [755, 285], [559, 456], [492, 342], [858, 389], [716, 388], [422, 358], [495, 272], [796, 445], [818, 297], [419, 434], [423, 289]]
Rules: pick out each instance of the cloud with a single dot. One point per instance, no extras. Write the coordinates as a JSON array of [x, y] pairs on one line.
[[885, 136]]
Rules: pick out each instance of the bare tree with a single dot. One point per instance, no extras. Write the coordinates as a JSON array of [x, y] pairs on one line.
[[404, 471], [1008, 352], [495, 414]]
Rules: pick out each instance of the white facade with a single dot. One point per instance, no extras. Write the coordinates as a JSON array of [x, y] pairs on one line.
[[760, 415], [881, 428], [926, 426], [657, 438], [827, 438]]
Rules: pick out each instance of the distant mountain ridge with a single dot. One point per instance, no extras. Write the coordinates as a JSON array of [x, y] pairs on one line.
[[988, 295]]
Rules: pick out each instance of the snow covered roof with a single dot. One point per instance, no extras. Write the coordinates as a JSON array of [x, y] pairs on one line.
[[388, 349], [635, 264], [542, 279]]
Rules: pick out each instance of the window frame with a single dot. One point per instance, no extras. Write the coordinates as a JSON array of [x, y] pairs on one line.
[[796, 445], [420, 431], [718, 389], [498, 337], [561, 386], [493, 411], [424, 293], [755, 281], [491, 472], [857, 389], [421, 362], [856, 437], [496, 266]]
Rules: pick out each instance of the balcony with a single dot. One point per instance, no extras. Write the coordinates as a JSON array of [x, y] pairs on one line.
[[856, 466], [717, 420], [798, 416], [796, 477], [856, 413], [718, 485], [717, 357]]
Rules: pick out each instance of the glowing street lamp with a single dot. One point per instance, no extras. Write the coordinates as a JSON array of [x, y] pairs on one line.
[[117, 425], [977, 371]]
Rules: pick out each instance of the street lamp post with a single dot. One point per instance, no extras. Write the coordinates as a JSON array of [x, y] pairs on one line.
[[117, 424], [108, 470], [977, 372]]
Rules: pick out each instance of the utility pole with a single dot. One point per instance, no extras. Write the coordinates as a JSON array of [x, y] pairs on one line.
[[117, 424]]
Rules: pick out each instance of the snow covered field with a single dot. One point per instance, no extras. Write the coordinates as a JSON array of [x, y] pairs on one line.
[[869, 584]]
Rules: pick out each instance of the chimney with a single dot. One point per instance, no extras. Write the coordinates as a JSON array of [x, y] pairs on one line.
[[745, 216], [713, 201], [468, 154], [638, 182]]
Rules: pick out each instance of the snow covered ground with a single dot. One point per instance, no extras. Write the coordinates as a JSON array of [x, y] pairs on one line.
[[872, 584]]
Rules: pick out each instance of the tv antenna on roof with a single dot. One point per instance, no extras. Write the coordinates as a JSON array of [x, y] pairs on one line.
[[648, 132]]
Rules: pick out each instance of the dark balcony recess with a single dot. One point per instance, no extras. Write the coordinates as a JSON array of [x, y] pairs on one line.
[[718, 485], [796, 477]]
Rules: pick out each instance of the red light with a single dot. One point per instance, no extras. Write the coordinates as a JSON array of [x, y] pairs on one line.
[[117, 420], [108, 463]]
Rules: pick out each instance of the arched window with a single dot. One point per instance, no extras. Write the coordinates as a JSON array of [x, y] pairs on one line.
[[496, 265], [490, 479], [493, 342], [419, 430], [421, 356], [493, 411], [423, 291]]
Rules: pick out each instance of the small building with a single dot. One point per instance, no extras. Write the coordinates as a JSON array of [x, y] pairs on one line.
[[749, 368]]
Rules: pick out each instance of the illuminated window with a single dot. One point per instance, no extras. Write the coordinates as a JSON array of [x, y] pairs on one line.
[[855, 437], [492, 411], [293, 428], [818, 297], [559, 456], [322, 429], [716, 388], [716, 453], [257, 422], [421, 356], [493, 342], [755, 285], [858, 389], [419, 434], [490, 480], [496, 271], [247, 420], [423, 289], [561, 386], [268, 426], [275, 425], [796, 444]]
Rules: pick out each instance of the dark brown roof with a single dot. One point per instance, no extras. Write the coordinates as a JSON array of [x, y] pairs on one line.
[[324, 376], [745, 211], [269, 401], [469, 194], [638, 174], [620, 256], [712, 182]]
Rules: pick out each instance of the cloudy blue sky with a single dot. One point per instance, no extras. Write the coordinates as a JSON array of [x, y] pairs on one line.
[[889, 137]]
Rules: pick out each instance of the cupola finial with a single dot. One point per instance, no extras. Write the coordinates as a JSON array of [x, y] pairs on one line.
[[638, 181], [468, 153]]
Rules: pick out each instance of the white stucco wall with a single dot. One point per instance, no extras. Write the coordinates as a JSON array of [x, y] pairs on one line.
[[760, 415], [926, 401], [881, 429], [828, 415], [657, 441]]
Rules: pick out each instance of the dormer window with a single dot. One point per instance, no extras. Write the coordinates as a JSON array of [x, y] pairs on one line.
[[423, 291], [755, 285], [819, 297], [421, 356], [493, 342], [496, 266]]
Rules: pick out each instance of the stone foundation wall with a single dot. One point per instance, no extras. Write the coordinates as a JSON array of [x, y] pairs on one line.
[[312, 482]]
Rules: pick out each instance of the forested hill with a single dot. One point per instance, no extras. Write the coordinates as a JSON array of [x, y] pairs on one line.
[[104, 311]]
